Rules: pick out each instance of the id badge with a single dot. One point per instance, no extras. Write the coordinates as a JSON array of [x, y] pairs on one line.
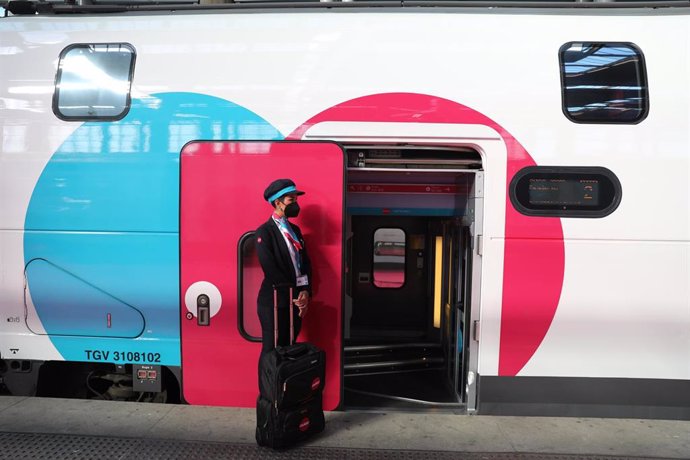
[[302, 280]]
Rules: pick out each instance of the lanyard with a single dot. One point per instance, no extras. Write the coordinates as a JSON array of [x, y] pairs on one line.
[[292, 238]]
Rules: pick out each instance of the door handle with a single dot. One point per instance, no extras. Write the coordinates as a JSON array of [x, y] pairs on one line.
[[203, 310]]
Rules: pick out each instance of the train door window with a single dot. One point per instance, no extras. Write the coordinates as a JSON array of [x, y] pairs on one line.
[[603, 82], [93, 82], [250, 277], [389, 258]]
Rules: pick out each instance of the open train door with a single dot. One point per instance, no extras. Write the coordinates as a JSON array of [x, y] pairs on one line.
[[221, 204]]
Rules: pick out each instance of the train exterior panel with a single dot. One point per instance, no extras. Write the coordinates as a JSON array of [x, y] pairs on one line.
[[91, 232]]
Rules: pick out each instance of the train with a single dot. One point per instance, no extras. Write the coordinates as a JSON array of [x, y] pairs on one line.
[[484, 230]]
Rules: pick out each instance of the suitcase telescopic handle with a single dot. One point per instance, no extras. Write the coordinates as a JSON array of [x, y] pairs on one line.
[[275, 318]]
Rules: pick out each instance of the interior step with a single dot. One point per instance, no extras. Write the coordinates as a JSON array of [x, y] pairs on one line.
[[379, 358]]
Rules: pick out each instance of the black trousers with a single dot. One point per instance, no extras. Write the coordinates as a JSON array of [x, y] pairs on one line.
[[267, 333]]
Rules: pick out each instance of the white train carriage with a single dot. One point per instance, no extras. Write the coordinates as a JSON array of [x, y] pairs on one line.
[[497, 200]]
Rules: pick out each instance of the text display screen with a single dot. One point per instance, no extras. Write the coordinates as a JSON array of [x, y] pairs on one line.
[[563, 192]]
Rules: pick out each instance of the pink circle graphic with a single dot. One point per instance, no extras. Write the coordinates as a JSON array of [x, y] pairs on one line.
[[534, 258]]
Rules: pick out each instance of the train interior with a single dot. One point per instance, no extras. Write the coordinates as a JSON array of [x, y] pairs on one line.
[[410, 223]]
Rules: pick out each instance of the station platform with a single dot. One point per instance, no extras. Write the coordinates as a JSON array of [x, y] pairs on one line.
[[53, 428]]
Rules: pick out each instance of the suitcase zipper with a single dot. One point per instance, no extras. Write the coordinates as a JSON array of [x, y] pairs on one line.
[[282, 395]]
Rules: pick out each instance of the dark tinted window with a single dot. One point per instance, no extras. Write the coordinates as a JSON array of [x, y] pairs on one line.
[[603, 82], [93, 82], [250, 277], [565, 191]]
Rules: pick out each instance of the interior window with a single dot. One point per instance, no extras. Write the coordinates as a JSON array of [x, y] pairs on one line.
[[603, 82], [389, 258], [93, 81]]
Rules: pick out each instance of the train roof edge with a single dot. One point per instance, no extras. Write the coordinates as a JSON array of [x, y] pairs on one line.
[[29, 7]]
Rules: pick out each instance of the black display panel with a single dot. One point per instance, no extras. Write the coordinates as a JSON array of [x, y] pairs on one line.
[[565, 191]]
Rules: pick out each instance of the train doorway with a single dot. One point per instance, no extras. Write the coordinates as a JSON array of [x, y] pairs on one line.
[[412, 215]]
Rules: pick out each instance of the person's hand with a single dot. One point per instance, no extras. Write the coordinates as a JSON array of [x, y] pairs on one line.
[[302, 303]]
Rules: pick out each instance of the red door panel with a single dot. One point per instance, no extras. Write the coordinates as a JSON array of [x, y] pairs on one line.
[[221, 199]]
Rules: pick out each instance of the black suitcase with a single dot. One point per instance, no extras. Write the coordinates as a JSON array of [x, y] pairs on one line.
[[292, 375], [278, 428], [291, 380]]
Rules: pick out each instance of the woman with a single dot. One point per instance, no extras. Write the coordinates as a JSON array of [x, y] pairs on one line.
[[285, 263]]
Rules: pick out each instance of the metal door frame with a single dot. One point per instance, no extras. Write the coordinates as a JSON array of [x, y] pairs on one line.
[[476, 211]]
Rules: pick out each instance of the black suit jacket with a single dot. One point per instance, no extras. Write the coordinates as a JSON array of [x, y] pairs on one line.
[[277, 265]]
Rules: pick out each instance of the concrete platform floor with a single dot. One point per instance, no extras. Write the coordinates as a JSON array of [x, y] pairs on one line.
[[365, 430]]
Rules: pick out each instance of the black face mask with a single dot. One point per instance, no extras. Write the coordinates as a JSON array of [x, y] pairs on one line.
[[291, 210]]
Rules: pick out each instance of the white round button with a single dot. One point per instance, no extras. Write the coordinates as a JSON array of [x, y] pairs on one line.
[[203, 287]]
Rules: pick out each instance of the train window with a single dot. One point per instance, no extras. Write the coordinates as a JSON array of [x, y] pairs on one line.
[[603, 82], [565, 191], [389, 258], [250, 277], [93, 82]]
